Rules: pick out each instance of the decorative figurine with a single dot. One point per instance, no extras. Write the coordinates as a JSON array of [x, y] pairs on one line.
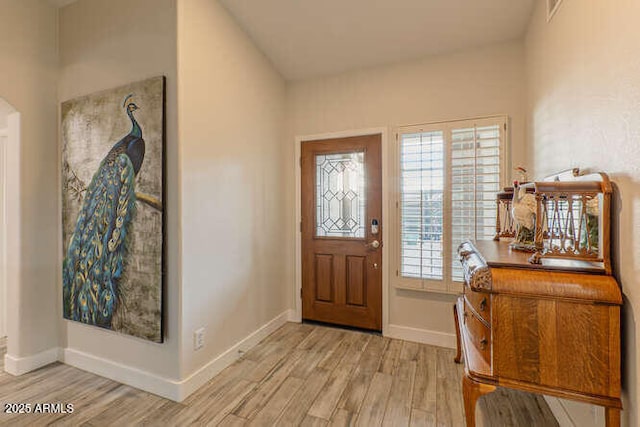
[[523, 212]]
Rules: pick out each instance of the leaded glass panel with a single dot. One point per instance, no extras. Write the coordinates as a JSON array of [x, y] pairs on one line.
[[340, 195]]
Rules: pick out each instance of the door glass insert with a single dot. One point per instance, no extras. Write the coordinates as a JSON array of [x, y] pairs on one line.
[[340, 195]]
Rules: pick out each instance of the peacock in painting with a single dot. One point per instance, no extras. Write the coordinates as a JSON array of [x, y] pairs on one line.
[[97, 254]]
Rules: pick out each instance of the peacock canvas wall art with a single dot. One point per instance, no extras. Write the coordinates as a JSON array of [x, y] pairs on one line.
[[112, 208]]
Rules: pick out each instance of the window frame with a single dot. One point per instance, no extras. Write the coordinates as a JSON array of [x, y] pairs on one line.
[[446, 284]]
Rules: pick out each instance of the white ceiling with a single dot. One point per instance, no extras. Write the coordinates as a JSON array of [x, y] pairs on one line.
[[305, 38]]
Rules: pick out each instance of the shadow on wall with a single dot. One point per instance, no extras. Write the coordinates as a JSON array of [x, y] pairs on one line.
[[620, 226]]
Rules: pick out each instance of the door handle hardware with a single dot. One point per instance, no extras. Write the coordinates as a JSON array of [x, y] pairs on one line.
[[375, 244]]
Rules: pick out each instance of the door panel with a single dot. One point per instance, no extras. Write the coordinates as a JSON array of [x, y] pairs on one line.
[[356, 283], [341, 198], [324, 278]]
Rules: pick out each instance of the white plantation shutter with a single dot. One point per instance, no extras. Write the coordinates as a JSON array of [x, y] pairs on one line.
[[449, 174], [475, 180], [422, 184]]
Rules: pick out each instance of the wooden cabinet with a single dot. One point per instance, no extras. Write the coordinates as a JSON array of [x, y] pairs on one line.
[[551, 328]]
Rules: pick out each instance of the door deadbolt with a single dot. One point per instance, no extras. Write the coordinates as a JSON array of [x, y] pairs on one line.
[[375, 226]]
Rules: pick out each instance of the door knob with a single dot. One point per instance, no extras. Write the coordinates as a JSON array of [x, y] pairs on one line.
[[375, 244]]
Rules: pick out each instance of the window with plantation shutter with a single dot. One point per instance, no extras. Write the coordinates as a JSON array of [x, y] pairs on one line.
[[422, 184], [448, 176], [475, 180]]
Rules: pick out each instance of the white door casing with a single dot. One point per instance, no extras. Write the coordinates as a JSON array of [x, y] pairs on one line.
[[3, 233], [10, 221]]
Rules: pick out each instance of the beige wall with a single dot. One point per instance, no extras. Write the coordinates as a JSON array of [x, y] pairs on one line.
[[584, 110], [234, 166], [466, 84], [28, 76], [105, 44]]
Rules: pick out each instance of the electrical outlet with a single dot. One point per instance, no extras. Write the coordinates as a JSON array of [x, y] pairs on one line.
[[198, 339]]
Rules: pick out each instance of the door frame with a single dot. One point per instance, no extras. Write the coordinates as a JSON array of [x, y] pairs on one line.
[[11, 230], [384, 132], [4, 142]]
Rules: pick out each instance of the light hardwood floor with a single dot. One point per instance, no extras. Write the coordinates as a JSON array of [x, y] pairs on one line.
[[300, 375]]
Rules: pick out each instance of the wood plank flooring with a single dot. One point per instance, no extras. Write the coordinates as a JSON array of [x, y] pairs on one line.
[[301, 374]]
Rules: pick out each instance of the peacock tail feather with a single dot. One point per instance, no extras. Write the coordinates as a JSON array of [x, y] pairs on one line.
[[96, 257]]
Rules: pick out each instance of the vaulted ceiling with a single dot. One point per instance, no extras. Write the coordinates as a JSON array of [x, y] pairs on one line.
[[305, 38]]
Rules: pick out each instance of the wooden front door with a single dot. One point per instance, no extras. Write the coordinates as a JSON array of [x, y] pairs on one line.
[[342, 231]]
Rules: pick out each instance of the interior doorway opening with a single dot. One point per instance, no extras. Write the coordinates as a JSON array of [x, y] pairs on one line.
[[9, 217]]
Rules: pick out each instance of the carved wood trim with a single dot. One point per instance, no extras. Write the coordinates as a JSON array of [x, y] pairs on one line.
[[476, 271]]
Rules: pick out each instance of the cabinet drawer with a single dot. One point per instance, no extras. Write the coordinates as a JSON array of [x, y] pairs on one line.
[[479, 334], [480, 302]]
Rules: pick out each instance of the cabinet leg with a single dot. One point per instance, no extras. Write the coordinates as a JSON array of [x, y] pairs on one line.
[[472, 391], [612, 417], [458, 343]]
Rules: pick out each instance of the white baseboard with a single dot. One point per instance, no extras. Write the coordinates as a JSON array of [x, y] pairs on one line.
[[167, 387], [559, 411], [21, 365], [424, 336], [124, 374], [294, 316], [211, 369], [571, 413]]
